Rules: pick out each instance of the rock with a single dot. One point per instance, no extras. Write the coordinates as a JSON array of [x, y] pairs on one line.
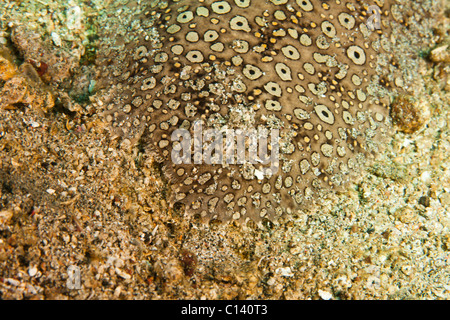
[[409, 113], [440, 54]]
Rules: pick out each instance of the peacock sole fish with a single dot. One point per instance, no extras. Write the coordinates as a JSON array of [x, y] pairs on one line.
[[255, 108]]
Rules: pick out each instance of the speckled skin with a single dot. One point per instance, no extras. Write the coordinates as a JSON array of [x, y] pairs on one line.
[[305, 68]]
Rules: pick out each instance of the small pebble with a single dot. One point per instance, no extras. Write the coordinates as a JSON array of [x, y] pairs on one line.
[[35, 124], [440, 54], [425, 201], [407, 270], [445, 199], [74, 18], [13, 282], [6, 215], [426, 177], [56, 39], [32, 271], [271, 281], [122, 274], [325, 295], [285, 272]]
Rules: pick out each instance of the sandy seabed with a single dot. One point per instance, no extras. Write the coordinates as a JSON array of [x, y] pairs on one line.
[[72, 197]]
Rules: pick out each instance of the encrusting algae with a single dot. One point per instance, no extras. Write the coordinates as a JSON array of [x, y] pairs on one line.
[[22, 85], [309, 69]]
